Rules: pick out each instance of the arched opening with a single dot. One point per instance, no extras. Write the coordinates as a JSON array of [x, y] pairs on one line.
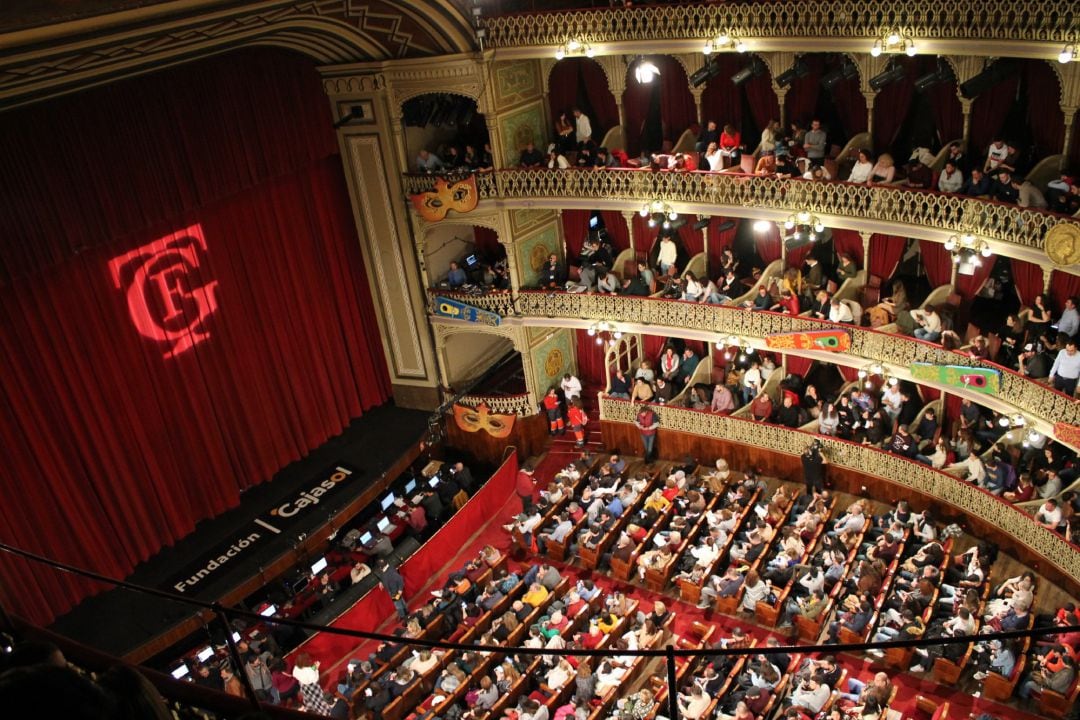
[[657, 112], [446, 126], [827, 91], [484, 360], [748, 105], [474, 250], [581, 83]]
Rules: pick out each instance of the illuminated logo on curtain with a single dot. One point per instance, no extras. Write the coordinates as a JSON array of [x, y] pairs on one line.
[[481, 418], [168, 298], [434, 204]]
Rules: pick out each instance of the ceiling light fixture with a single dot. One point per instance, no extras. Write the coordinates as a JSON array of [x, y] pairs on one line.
[[659, 213], [893, 41], [1069, 54], [646, 71], [574, 48], [804, 223], [724, 41]]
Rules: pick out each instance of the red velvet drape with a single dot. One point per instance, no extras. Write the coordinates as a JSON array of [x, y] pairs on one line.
[[718, 241], [850, 106], [929, 394], [1028, 280], [798, 365], [885, 254], [1044, 115], [575, 229], [848, 373], [580, 82], [948, 115], [891, 107], [618, 232], [590, 360], [1062, 286], [1074, 143], [127, 215], [764, 104], [988, 115], [967, 286], [937, 261], [769, 243], [693, 240], [795, 257], [486, 242], [677, 108], [850, 243], [801, 99], [721, 100]]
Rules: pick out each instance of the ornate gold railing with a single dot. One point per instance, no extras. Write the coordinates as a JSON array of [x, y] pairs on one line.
[[906, 473], [1033, 21], [501, 404], [1031, 398], [716, 191]]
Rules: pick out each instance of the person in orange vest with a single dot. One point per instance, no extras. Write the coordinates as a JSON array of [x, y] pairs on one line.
[[577, 420], [554, 412]]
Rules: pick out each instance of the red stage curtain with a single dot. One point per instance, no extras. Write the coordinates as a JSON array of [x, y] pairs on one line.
[[891, 108], [1044, 115], [486, 242], [174, 141], [850, 106], [798, 365], [885, 254], [1028, 279], [692, 239], [801, 99], [575, 229], [1062, 286], [617, 230], [937, 261], [590, 360], [719, 240], [988, 112], [137, 447], [849, 242], [580, 82]]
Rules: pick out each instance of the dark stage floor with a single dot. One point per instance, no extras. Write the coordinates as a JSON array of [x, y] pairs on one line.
[[118, 621]]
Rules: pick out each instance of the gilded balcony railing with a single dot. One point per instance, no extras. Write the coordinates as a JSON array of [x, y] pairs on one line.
[[996, 20], [501, 404], [713, 192], [905, 473], [1032, 398]]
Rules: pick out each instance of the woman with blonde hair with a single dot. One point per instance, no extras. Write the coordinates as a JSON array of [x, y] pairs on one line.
[[883, 172]]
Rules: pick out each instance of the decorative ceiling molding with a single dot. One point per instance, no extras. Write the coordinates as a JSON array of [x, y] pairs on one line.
[[54, 60]]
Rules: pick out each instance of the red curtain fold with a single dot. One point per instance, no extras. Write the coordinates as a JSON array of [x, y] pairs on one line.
[[885, 254], [652, 346], [1063, 285], [693, 240], [929, 394], [937, 261], [1074, 143], [796, 256], [718, 240], [486, 242], [798, 365], [948, 115], [1044, 115], [617, 230], [678, 110], [850, 105], [952, 407], [137, 446], [968, 286], [850, 243], [1028, 280], [721, 101], [891, 106], [590, 360], [988, 115], [174, 141], [764, 105], [849, 374], [580, 82], [769, 244], [575, 229], [801, 99]]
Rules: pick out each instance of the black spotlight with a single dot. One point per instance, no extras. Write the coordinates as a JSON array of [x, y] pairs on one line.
[[702, 223], [846, 71], [708, 71], [943, 73], [891, 74], [988, 78], [798, 70], [754, 69]]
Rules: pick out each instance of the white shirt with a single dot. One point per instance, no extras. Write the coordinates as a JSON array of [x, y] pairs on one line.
[[583, 127], [975, 469], [995, 154], [306, 675], [668, 252], [860, 173], [752, 378], [1065, 365], [571, 387], [1051, 518], [839, 312], [559, 162], [951, 183], [713, 159]]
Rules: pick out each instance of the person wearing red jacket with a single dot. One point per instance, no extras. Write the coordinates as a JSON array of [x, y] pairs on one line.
[[554, 412], [577, 419]]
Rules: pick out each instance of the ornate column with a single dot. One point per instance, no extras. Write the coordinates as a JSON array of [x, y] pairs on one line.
[[1070, 117], [781, 93], [1047, 273], [965, 108], [373, 152], [615, 69], [698, 92], [866, 249], [628, 216], [870, 95]]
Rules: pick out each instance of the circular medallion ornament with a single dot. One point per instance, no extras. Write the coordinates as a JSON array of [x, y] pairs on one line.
[[538, 256], [553, 364], [1062, 244]]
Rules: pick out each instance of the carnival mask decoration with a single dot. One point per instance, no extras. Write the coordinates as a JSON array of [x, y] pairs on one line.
[[461, 195], [474, 419]]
